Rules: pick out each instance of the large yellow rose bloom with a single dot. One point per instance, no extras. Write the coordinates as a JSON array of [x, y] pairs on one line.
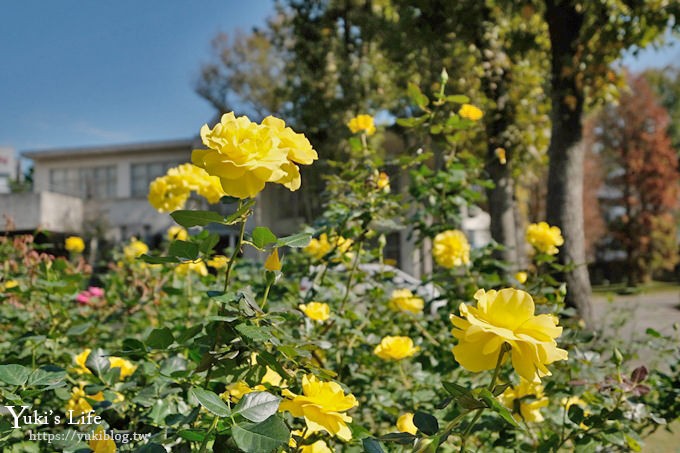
[[246, 155], [395, 348], [451, 249], [404, 300], [74, 244], [544, 238], [506, 316], [322, 405], [530, 398]]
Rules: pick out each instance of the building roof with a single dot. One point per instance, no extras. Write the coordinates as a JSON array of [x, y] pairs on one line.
[[58, 153]]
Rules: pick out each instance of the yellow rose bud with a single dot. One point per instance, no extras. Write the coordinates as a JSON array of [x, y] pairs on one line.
[[405, 424], [273, 263], [521, 277]]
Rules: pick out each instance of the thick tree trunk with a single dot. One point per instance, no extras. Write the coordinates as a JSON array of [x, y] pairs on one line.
[[566, 153], [501, 210]]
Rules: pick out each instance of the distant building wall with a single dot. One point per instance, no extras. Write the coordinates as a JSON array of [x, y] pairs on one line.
[[45, 210]]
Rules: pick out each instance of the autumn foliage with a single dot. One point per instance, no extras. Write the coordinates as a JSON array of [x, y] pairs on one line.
[[640, 193]]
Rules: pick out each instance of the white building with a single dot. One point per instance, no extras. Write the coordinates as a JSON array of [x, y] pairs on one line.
[[102, 191]]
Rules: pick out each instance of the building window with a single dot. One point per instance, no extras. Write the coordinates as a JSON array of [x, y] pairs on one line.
[[93, 182], [141, 176]]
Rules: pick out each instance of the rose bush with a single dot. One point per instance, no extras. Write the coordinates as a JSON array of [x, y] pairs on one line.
[[326, 349]]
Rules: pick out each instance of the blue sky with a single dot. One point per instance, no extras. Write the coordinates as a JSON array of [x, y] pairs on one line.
[[86, 72]]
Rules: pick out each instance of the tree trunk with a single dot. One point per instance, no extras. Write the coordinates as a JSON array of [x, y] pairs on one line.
[[501, 210], [566, 153]]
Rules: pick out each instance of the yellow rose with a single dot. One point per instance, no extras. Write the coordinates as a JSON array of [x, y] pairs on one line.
[[383, 182], [395, 348], [506, 316], [528, 397], [405, 424], [470, 112], [568, 402], [126, 368], [500, 154], [135, 249], [166, 196], [80, 402], [101, 442], [322, 405], [317, 447], [318, 248], [218, 262], [317, 311], [521, 277], [273, 263], [404, 300], [451, 248], [177, 233], [362, 123], [246, 155], [272, 378], [235, 391], [544, 238], [74, 244], [9, 284], [197, 267]]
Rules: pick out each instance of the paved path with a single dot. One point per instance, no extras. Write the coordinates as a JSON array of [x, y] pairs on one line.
[[658, 310]]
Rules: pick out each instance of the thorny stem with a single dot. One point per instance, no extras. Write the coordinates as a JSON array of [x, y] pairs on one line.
[[237, 250], [266, 294], [491, 385], [213, 425], [348, 286]]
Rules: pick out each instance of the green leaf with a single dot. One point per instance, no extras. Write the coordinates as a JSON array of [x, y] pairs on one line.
[[257, 406], [188, 218], [78, 329], [399, 438], [255, 333], [417, 96], [184, 249], [575, 413], [497, 407], [372, 445], [160, 338], [192, 435], [296, 240], [151, 448], [98, 362], [262, 236], [653, 333], [458, 98], [206, 245], [260, 437], [463, 396], [152, 259], [43, 378], [13, 374], [210, 400], [426, 423]]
